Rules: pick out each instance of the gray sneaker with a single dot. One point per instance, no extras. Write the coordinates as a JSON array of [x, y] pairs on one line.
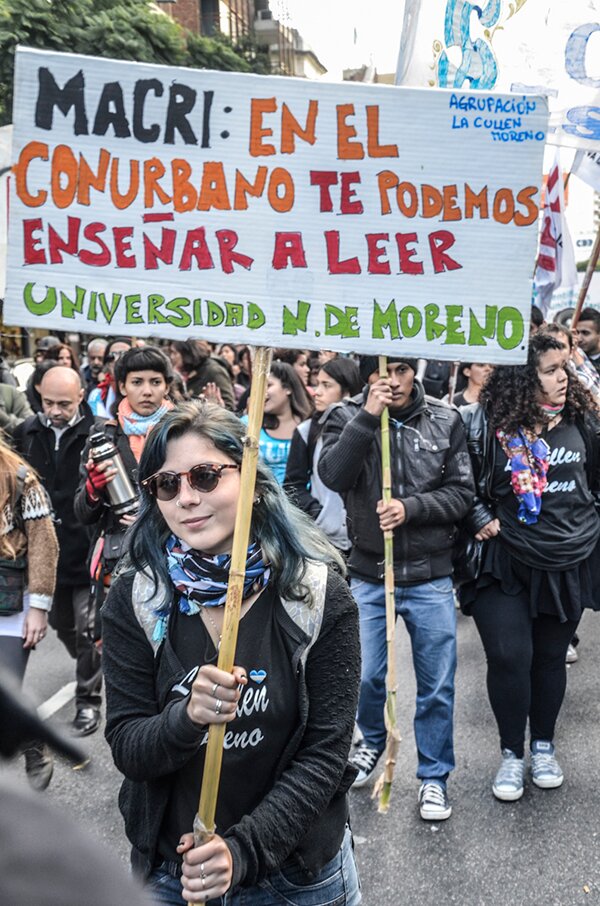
[[508, 783], [545, 769], [433, 801]]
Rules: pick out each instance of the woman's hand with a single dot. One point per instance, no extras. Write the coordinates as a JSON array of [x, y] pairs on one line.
[[576, 356], [35, 627], [99, 475], [489, 530], [215, 695], [212, 394], [128, 519], [207, 870]]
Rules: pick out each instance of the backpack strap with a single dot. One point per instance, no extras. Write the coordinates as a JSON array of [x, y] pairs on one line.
[[148, 598], [308, 614], [22, 473]]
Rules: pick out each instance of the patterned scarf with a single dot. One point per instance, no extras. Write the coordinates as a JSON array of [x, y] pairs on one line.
[[202, 581], [528, 455], [136, 426]]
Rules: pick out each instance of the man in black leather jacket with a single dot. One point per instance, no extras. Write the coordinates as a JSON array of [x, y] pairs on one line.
[[432, 488]]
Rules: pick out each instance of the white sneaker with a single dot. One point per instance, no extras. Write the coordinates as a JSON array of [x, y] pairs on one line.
[[572, 655], [365, 759], [508, 783]]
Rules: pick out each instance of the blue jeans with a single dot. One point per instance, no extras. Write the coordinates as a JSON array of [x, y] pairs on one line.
[[336, 884], [430, 617]]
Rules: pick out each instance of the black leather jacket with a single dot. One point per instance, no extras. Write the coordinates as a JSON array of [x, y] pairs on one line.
[[482, 449], [431, 475]]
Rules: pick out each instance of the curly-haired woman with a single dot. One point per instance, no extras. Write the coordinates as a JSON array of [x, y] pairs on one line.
[[535, 440]]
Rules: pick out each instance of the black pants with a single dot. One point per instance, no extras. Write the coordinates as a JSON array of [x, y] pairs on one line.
[[526, 675], [13, 657], [72, 616]]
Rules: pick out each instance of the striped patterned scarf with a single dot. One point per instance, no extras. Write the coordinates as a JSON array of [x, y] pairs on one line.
[[202, 581]]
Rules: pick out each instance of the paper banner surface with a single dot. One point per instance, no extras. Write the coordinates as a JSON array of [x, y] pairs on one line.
[[156, 201]]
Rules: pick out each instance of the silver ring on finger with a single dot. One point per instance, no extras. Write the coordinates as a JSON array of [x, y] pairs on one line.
[[218, 706], [213, 691]]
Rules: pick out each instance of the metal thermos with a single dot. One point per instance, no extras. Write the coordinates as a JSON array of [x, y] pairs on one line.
[[121, 492]]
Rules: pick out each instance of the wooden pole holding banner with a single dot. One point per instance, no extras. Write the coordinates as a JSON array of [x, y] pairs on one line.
[[452, 381], [204, 822], [383, 787], [587, 280]]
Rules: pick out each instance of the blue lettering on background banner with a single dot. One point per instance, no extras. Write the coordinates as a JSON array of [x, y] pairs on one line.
[[575, 54], [500, 128], [584, 121], [478, 65]]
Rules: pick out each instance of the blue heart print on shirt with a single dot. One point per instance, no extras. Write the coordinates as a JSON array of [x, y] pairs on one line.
[[258, 676]]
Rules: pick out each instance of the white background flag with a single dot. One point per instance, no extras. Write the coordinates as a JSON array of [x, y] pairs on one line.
[[556, 260], [586, 166], [496, 45]]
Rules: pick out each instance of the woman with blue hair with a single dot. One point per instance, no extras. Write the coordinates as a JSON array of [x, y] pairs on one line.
[[282, 815]]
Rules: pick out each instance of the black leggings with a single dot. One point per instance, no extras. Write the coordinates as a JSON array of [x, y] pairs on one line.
[[13, 657], [526, 675]]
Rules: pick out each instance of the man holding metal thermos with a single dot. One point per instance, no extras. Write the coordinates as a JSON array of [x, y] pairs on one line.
[[108, 491]]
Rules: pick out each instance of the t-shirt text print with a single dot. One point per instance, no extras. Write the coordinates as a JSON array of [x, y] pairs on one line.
[[265, 719]]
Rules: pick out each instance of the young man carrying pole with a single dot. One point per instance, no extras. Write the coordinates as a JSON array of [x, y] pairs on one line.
[[432, 489]]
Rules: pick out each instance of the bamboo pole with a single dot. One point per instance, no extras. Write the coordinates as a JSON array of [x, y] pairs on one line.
[[204, 822], [383, 787]]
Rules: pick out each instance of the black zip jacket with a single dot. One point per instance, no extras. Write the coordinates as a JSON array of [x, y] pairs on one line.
[[431, 475], [482, 447], [305, 812], [59, 470]]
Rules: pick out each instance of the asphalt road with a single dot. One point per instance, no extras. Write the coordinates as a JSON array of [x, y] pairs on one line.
[[543, 850]]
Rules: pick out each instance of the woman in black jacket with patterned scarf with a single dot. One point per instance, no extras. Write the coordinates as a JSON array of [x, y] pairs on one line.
[[534, 439], [289, 706]]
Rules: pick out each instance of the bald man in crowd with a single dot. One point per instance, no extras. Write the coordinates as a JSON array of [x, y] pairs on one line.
[[52, 442]]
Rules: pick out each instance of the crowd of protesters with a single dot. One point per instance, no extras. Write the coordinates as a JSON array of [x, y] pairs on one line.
[[494, 473]]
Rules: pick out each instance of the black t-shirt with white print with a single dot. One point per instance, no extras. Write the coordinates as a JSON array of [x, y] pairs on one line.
[[568, 526], [267, 716]]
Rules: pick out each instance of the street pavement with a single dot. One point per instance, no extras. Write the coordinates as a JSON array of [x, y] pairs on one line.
[[543, 850]]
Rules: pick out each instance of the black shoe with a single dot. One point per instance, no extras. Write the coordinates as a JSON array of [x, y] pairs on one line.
[[39, 765], [87, 721]]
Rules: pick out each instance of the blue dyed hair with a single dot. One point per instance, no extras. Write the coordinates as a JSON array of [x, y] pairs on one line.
[[286, 535]]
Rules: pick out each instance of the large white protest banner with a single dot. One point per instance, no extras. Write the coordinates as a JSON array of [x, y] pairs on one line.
[[511, 45], [274, 211]]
